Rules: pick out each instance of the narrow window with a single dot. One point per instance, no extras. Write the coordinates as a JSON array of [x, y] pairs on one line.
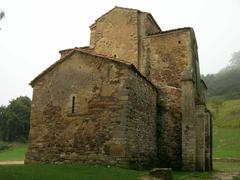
[[73, 104]]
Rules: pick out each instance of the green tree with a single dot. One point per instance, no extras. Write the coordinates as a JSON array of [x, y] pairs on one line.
[[3, 121], [235, 60], [226, 82], [15, 119], [2, 15]]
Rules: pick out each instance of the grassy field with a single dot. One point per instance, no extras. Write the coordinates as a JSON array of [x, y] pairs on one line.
[[74, 172], [226, 166], [226, 127], [66, 172], [226, 112], [226, 142], [14, 153]]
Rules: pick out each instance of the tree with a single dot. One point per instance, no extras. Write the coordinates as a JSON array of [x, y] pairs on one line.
[[2, 15], [235, 60], [14, 119], [226, 82], [2, 121]]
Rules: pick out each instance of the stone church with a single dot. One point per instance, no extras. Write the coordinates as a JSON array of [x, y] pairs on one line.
[[132, 98]]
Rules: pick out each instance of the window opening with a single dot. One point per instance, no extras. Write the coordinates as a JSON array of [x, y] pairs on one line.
[[73, 104]]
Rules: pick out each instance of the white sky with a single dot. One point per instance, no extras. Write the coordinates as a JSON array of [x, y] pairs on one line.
[[34, 31]]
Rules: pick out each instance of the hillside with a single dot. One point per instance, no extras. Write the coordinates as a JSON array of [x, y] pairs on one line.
[[224, 103], [226, 82], [226, 112], [226, 127]]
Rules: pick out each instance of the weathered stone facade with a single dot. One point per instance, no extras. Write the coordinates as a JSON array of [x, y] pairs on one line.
[[133, 98]]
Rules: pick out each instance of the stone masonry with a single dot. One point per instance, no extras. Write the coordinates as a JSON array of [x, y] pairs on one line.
[[132, 98]]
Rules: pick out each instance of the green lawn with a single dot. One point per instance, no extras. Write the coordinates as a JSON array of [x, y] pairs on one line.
[[229, 115], [226, 113], [226, 127], [226, 142], [75, 172], [66, 172], [14, 153], [227, 166]]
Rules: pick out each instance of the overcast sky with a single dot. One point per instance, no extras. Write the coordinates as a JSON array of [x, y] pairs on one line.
[[34, 31]]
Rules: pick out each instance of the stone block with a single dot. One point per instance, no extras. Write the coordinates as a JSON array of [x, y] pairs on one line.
[[162, 173]]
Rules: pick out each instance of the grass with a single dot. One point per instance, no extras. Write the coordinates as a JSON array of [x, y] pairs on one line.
[[226, 142], [85, 172], [226, 112], [226, 127], [74, 172], [191, 175], [227, 166], [15, 153], [66, 172]]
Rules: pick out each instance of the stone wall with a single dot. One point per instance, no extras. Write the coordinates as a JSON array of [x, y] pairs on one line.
[[119, 33], [57, 133], [201, 119], [169, 127], [208, 141], [141, 118], [115, 35], [146, 25], [97, 128], [188, 125], [169, 56]]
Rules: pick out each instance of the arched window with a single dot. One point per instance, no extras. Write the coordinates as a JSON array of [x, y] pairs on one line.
[[73, 104]]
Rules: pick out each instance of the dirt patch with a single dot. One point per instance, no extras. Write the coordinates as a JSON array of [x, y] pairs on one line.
[[11, 162], [227, 159], [148, 178], [226, 175], [215, 176]]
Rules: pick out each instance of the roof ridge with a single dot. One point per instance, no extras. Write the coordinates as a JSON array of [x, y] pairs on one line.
[[91, 54], [171, 30], [112, 10], [102, 56], [78, 50]]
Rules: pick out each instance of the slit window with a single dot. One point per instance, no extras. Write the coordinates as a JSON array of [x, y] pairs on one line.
[[73, 104]]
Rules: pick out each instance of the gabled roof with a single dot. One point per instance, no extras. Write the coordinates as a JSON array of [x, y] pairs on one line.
[[129, 9], [203, 82], [86, 52], [116, 7], [172, 30]]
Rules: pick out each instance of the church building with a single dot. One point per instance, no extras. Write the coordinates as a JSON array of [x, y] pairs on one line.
[[132, 98]]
